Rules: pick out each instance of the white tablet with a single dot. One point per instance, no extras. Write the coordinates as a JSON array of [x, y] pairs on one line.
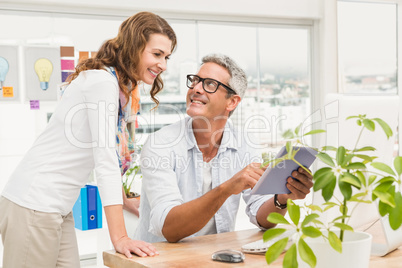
[[273, 181]]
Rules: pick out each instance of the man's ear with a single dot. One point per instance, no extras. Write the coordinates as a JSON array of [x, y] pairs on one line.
[[233, 102]]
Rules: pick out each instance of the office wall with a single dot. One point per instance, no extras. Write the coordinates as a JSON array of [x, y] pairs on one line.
[[178, 8]]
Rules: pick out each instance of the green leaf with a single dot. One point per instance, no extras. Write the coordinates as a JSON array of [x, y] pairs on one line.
[[329, 205], [385, 197], [346, 188], [290, 259], [340, 155], [322, 181], [383, 167], [315, 207], [364, 157], [326, 159], [271, 233], [334, 241], [372, 179], [275, 250], [351, 179], [387, 179], [311, 231], [395, 215], [352, 116], [321, 172], [276, 218], [328, 191], [347, 160], [366, 148], [398, 165], [306, 254], [315, 131], [369, 124], [288, 134], [385, 127], [343, 226], [289, 149], [356, 165], [361, 178], [309, 218], [383, 209], [328, 148], [297, 129], [294, 212]]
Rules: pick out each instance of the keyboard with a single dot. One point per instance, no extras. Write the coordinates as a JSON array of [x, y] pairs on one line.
[[260, 246]]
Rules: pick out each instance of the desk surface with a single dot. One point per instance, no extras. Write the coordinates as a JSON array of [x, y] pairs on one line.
[[197, 251]]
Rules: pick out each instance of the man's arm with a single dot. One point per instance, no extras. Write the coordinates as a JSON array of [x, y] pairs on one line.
[[298, 190], [188, 218]]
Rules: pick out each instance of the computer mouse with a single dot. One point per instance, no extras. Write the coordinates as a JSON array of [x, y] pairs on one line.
[[228, 255]]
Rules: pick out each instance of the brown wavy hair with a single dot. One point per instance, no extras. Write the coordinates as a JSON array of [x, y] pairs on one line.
[[124, 51]]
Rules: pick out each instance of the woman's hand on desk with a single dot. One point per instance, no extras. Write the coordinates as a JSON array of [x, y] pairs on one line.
[[127, 246]]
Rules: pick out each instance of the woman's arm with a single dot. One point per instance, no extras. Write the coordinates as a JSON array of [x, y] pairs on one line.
[[118, 234]]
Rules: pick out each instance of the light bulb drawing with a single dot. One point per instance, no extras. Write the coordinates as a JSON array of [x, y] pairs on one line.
[[3, 71], [44, 69]]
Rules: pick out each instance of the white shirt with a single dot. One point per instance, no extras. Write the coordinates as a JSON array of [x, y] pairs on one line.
[[171, 164], [80, 137], [210, 227]]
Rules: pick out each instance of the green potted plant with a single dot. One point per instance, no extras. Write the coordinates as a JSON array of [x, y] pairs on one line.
[[357, 176], [128, 180]]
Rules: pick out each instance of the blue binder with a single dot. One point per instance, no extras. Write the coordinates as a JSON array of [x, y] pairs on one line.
[[92, 208], [80, 211], [99, 209], [87, 210]]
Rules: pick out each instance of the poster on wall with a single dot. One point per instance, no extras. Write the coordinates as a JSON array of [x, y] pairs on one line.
[[42, 73], [9, 84]]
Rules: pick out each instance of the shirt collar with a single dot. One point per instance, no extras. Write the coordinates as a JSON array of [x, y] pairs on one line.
[[229, 139]]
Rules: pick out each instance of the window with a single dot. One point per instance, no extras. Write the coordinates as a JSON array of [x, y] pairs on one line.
[[367, 40]]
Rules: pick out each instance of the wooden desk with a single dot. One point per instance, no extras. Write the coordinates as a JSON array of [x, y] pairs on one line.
[[197, 251]]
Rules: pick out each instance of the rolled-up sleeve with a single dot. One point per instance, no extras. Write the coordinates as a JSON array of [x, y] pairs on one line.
[[254, 202], [101, 100], [159, 183]]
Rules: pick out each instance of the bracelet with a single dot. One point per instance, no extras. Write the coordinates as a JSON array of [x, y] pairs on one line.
[[279, 205]]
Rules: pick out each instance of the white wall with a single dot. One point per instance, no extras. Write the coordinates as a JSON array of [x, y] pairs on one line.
[[178, 8]]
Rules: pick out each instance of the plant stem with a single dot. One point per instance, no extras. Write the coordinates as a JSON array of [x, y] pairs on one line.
[[303, 167], [343, 219], [357, 141]]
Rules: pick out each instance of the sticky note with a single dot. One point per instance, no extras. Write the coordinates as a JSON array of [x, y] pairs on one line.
[[8, 92], [34, 104], [83, 55], [66, 51], [67, 65], [64, 75]]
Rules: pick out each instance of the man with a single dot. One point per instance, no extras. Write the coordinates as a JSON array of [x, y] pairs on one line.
[[194, 170]]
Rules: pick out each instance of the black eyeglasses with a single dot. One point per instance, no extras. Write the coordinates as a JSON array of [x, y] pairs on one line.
[[208, 84]]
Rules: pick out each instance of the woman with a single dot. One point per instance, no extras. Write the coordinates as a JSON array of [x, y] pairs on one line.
[[36, 222]]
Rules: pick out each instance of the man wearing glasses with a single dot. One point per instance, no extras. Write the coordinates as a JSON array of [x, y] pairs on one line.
[[194, 170]]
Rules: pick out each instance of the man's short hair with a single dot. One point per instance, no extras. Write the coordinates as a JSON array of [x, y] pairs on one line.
[[238, 78]]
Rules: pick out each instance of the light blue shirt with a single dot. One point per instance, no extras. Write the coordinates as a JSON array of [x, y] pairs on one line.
[[171, 164]]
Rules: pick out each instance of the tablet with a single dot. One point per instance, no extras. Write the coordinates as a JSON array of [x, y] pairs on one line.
[[273, 181]]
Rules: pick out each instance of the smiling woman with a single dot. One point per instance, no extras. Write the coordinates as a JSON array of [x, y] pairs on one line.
[[47, 182], [154, 57]]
